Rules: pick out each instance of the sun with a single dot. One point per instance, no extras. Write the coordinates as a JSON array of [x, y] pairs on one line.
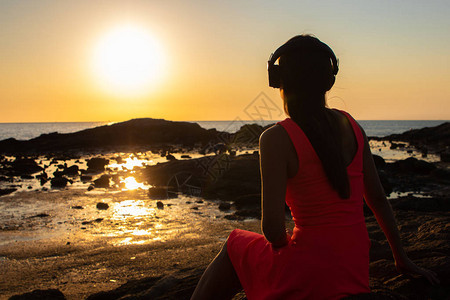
[[128, 60]]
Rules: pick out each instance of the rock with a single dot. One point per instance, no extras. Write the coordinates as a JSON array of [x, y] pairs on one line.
[[59, 182], [412, 165], [437, 137], [24, 166], [160, 205], [185, 156], [224, 206], [102, 206], [137, 132], [157, 192], [77, 207], [90, 188], [6, 179], [43, 215], [380, 163], [445, 156], [170, 157], [50, 294], [71, 171], [102, 182], [7, 191], [97, 164], [421, 204], [178, 285], [85, 178]]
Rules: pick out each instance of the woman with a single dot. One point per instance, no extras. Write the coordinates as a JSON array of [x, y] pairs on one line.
[[319, 162]]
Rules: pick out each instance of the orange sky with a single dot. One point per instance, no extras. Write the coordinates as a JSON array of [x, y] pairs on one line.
[[394, 59]]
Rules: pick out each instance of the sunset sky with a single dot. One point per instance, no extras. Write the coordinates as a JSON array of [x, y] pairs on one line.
[[206, 60]]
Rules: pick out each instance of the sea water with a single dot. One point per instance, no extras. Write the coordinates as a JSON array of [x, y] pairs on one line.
[[379, 128]]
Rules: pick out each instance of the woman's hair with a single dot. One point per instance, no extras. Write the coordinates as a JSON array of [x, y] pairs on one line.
[[306, 74]]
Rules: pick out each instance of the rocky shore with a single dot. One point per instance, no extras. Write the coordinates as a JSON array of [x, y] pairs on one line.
[[219, 170]]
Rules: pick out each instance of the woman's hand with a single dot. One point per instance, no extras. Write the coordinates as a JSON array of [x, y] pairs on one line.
[[407, 267]]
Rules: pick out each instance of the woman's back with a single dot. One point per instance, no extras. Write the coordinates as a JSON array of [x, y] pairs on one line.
[[328, 254], [313, 201]]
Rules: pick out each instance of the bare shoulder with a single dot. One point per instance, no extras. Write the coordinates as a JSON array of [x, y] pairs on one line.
[[274, 136]]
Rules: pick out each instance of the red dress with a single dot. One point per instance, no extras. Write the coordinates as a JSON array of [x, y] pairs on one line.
[[328, 255]]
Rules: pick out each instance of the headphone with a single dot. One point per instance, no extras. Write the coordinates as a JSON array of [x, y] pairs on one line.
[[298, 43]]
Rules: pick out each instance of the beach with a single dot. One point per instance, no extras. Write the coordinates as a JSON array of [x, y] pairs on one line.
[[144, 222], [80, 262]]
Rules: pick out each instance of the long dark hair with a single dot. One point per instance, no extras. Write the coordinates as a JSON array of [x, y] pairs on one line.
[[306, 76]]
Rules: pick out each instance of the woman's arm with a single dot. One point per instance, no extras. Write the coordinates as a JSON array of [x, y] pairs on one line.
[[273, 162], [377, 202]]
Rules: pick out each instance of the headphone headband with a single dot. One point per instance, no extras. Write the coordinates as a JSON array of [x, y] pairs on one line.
[[298, 43]]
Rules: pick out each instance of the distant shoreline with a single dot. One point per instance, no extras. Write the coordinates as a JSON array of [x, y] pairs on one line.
[[29, 130]]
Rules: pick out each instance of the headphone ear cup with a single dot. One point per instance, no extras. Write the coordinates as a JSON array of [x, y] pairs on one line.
[[331, 82], [274, 76]]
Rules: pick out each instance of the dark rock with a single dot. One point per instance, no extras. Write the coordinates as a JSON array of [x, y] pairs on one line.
[[26, 177], [50, 294], [102, 206], [185, 156], [437, 137], [77, 207], [97, 164], [59, 182], [224, 206], [24, 166], [90, 188], [412, 165], [43, 215], [85, 178], [157, 192], [160, 205], [137, 132], [445, 156], [170, 157], [421, 204], [178, 285], [102, 182], [7, 191], [380, 163], [71, 171], [7, 179]]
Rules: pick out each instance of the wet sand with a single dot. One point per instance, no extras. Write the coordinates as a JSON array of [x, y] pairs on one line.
[[130, 242]]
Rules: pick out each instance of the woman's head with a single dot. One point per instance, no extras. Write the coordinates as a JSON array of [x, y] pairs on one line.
[[306, 70]]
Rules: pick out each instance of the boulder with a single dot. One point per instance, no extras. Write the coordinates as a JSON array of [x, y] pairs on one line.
[[71, 171], [24, 166], [7, 191], [59, 182], [50, 294], [412, 165], [102, 206], [97, 164], [102, 182]]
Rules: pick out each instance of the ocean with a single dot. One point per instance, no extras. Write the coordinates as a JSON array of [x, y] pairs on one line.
[[25, 131]]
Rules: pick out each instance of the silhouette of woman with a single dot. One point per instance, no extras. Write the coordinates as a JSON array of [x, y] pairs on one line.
[[319, 163]]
